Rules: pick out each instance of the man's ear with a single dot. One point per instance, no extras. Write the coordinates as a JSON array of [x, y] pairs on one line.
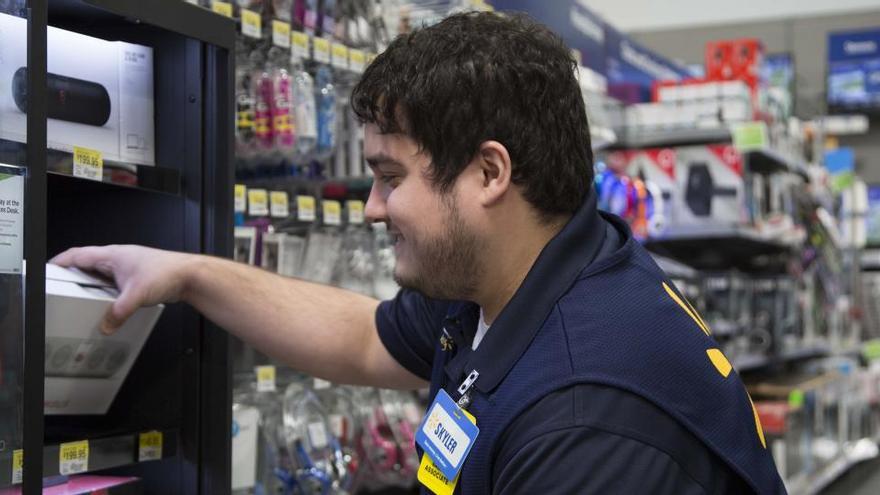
[[495, 169]]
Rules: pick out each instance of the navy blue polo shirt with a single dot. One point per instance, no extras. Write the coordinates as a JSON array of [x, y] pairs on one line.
[[586, 438]]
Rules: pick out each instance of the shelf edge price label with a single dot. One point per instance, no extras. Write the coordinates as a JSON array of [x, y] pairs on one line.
[[750, 136], [280, 33], [305, 208], [265, 378], [370, 57], [279, 204], [222, 8], [355, 211], [299, 45], [17, 466], [340, 56], [150, 446], [88, 163], [356, 60], [73, 457], [322, 50], [332, 212], [258, 203], [240, 198], [251, 24]]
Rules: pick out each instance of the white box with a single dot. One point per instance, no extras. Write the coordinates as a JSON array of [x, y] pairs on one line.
[[85, 368], [707, 114], [633, 115], [707, 91], [735, 89], [669, 93], [687, 114], [688, 92], [711, 186], [116, 76], [736, 110]]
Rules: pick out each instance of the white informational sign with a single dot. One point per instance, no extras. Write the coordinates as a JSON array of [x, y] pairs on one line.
[[245, 425], [11, 219]]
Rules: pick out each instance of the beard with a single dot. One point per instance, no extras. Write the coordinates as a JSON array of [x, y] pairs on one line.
[[444, 266]]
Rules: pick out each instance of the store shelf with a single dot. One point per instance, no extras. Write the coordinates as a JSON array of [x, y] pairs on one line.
[[58, 163], [768, 161], [748, 363], [602, 137], [672, 137], [815, 483], [675, 269], [172, 15], [716, 247], [870, 260], [103, 453]]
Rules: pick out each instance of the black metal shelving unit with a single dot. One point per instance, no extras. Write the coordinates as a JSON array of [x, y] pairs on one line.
[[181, 383]]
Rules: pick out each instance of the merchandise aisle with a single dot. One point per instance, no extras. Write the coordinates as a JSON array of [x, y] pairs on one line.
[[225, 128], [121, 146]]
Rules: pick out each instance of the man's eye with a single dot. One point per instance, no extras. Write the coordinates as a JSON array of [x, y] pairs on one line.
[[390, 180]]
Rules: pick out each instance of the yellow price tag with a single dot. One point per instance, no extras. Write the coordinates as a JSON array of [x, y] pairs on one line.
[[251, 24], [356, 60], [305, 208], [88, 163], [240, 198], [150, 446], [280, 33], [73, 457], [279, 204], [370, 57], [322, 50], [258, 203], [299, 45], [222, 8], [355, 211], [17, 466], [332, 212], [265, 378], [340, 56]]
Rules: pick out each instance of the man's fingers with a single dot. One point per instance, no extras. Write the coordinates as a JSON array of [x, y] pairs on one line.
[[125, 305], [91, 259]]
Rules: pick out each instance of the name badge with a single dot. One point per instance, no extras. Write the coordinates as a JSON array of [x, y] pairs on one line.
[[447, 435]]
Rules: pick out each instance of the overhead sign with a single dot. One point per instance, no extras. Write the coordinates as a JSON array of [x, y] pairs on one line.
[[579, 27], [854, 69], [628, 61]]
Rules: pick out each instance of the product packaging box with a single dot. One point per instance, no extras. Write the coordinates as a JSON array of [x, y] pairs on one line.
[[99, 93], [85, 368], [656, 166], [711, 185]]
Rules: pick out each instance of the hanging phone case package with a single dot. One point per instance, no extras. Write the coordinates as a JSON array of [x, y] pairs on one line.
[[85, 368], [99, 93]]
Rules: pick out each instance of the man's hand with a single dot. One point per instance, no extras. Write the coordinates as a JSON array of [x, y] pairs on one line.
[[323, 331], [144, 276]]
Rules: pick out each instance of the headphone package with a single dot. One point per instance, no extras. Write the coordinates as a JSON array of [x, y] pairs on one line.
[[99, 93]]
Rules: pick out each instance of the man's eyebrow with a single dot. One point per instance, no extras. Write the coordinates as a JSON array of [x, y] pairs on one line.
[[382, 159]]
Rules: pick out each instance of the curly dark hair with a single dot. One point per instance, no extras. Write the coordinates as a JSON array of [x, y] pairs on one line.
[[485, 76]]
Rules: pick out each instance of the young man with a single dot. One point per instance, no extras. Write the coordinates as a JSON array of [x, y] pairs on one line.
[[585, 369]]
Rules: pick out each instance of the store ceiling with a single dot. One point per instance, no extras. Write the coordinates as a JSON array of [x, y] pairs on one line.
[[654, 15]]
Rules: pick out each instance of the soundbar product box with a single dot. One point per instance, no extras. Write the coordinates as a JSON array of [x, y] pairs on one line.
[[99, 93], [85, 368]]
